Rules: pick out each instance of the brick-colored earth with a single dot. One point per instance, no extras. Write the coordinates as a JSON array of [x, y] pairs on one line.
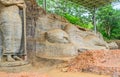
[[52, 73], [22, 74], [97, 61]]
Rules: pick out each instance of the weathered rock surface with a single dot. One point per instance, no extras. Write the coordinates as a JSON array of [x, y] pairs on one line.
[[11, 2], [118, 43], [56, 35], [113, 45], [55, 50], [84, 38], [53, 33], [115, 41]]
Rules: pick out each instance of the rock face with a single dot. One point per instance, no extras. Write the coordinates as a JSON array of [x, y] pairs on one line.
[[56, 37], [113, 45], [11, 2], [33, 11], [55, 50], [52, 41], [118, 43], [39, 24], [85, 39]]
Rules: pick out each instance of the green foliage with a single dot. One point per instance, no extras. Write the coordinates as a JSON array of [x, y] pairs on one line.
[[77, 21], [72, 12], [109, 22], [73, 19], [108, 19]]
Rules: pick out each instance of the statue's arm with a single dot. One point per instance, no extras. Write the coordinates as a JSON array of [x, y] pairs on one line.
[[11, 2]]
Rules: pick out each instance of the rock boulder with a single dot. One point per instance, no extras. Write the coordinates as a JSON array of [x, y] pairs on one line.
[[56, 37]]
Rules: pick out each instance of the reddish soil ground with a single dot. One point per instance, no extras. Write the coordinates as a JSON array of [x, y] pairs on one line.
[[52, 73], [23, 74], [97, 61]]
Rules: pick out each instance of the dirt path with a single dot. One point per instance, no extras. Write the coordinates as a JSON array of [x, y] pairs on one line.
[[49, 72], [53, 73], [57, 73]]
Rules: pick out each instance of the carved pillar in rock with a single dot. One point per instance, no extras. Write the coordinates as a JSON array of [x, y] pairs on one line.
[[11, 28]]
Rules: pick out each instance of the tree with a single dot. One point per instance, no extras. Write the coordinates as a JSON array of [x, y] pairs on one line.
[[109, 22]]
